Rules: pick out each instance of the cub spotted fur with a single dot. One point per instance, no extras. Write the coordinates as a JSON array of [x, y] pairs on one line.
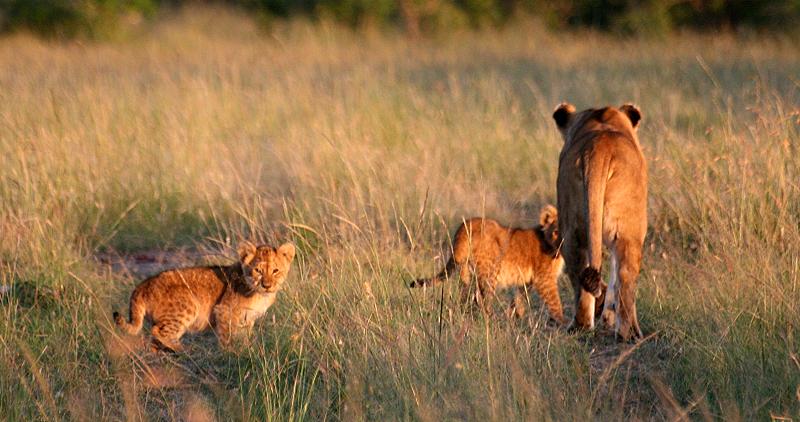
[[602, 198], [507, 258], [229, 298]]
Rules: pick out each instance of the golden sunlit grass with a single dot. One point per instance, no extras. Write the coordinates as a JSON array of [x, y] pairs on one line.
[[366, 150]]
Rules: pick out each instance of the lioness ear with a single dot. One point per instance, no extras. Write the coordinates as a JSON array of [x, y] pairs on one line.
[[287, 250], [633, 114], [563, 114], [548, 215], [247, 251]]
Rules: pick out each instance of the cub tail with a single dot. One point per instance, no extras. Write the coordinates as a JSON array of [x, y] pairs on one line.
[[136, 317]]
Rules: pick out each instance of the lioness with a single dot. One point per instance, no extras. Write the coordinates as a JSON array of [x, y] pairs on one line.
[[505, 258], [229, 297], [602, 199]]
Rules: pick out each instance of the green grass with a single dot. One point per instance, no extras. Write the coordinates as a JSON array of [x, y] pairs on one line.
[[366, 150]]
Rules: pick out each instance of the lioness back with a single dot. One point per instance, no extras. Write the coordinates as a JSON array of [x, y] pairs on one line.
[[507, 258]]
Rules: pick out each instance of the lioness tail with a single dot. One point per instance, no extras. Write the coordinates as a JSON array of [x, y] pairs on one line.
[[595, 177]]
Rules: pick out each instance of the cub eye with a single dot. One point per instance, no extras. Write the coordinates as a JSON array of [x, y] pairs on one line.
[[275, 271], [259, 271]]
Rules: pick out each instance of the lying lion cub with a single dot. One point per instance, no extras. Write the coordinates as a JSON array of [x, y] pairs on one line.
[[229, 298], [506, 258]]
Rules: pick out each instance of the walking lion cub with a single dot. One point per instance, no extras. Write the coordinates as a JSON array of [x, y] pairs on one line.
[[228, 298], [507, 258]]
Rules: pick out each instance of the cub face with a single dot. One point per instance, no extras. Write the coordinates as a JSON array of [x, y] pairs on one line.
[[548, 219], [264, 267]]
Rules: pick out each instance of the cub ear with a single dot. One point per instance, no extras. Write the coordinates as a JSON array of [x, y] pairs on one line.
[[633, 114], [562, 114], [548, 215], [246, 251], [287, 250]]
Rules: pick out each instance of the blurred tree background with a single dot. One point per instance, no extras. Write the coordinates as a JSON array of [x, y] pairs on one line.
[[99, 18]]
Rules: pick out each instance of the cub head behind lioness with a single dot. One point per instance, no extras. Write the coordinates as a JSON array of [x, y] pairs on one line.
[[602, 200]]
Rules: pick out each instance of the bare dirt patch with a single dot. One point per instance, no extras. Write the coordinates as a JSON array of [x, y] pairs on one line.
[[141, 265]]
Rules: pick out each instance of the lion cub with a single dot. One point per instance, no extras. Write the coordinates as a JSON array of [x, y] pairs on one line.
[[229, 298], [507, 258]]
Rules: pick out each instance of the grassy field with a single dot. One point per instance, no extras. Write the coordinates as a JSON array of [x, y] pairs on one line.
[[366, 150]]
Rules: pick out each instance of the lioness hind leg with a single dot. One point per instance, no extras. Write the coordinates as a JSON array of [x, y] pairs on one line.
[[609, 316], [574, 264], [630, 257]]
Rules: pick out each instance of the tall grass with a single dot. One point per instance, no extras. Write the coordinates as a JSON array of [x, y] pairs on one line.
[[367, 150]]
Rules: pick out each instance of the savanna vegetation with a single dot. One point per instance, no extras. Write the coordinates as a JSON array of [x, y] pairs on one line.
[[367, 149], [103, 19]]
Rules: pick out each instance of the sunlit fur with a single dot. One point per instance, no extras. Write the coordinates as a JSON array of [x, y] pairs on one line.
[[602, 200], [507, 258], [193, 299], [264, 269]]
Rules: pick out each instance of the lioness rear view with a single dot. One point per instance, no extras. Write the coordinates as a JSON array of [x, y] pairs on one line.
[[602, 199]]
